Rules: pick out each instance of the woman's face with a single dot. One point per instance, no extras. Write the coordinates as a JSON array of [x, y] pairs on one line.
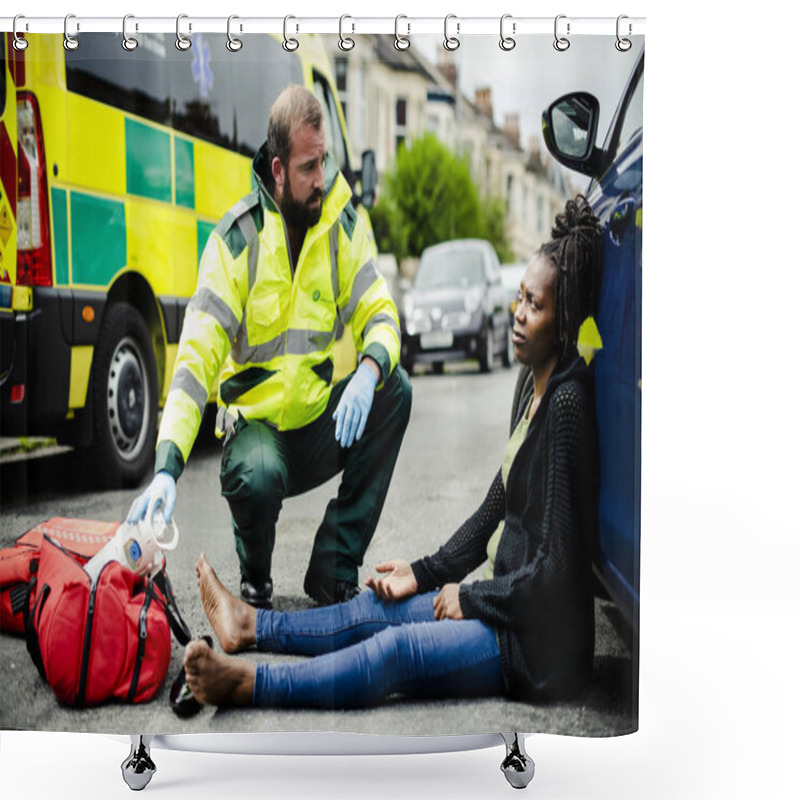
[[535, 340]]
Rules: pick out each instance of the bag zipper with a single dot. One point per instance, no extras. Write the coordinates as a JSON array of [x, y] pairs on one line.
[[142, 640], [87, 640]]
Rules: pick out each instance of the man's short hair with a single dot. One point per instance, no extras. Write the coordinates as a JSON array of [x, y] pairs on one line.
[[295, 106]]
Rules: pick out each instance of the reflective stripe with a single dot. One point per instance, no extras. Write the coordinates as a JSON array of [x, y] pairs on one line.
[[333, 241], [186, 382], [252, 262], [248, 228], [364, 280], [291, 343], [208, 302], [381, 319], [303, 343], [243, 352]]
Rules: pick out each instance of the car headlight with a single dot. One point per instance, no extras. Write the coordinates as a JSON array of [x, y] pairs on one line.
[[408, 307], [472, 299]]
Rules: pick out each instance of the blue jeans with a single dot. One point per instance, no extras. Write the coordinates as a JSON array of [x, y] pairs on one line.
[[366, 650]]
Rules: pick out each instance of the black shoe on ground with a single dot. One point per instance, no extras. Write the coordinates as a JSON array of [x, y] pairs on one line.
[[326, 591], [259, 598]]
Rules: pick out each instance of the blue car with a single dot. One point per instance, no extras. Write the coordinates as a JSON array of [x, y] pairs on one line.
[[615, 194]]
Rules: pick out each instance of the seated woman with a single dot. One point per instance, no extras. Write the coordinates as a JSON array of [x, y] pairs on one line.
[[526, 629]]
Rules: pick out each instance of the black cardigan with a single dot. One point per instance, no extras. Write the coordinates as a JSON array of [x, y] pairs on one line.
[[540, 600]]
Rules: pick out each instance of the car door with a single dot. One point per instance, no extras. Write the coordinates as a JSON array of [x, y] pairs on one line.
[[616, 197]]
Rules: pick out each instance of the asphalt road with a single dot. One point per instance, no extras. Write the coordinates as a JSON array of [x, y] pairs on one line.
[[452, 449]]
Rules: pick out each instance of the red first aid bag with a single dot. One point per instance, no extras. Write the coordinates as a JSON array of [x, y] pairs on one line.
[[82, 538], [91, 643]]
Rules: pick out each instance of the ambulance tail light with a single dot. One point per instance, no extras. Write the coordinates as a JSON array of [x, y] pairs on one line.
[[34, 259]]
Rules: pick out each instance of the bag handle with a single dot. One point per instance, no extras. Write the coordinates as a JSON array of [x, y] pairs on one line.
[[31, 633], [176, 622]]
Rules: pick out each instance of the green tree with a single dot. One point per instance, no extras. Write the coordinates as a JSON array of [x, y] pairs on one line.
[[429, 198], [494, 212]]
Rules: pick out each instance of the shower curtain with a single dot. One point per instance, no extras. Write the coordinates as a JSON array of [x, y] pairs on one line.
[[119, 163]]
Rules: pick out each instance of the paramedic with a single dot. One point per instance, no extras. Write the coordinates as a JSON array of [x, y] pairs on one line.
[[281, 275], [526, 628]]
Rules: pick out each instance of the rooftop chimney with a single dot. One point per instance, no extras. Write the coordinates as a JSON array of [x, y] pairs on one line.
[[511, 128], [448, 70], [483, 101]]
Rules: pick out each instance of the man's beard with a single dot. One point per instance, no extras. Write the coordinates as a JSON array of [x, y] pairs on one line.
[[299, 214]]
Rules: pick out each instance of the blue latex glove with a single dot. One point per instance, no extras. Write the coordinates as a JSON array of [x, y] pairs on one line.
[[161, 491], [353, 409]]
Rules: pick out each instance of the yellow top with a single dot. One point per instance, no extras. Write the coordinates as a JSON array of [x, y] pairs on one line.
[[514, 443]]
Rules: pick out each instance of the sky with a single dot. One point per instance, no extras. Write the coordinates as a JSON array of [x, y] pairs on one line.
[[593, 65]]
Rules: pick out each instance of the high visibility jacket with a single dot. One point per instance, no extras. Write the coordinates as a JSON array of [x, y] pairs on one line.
[[268, 326]]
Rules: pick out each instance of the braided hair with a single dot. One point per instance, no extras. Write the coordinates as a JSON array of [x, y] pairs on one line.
[[575, 250]]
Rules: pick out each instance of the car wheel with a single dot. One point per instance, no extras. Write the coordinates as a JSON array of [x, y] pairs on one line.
[[508, 354], [487, 350], [124, 399], [438, 367]]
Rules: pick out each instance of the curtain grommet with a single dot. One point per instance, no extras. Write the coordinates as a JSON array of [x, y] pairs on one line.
[[507, 43], [561, 43], [346, 43], [181, 41], [128, 42], [451, 43], [20, 42], [289, 44], [622, 44], [401, 42]]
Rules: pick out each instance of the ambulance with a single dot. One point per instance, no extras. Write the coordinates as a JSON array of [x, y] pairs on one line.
[[115, 167]]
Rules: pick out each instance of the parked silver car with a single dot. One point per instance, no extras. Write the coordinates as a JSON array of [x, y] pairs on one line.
[[456, 308]]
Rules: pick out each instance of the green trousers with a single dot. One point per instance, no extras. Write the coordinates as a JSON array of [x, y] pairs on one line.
[[261, 466]]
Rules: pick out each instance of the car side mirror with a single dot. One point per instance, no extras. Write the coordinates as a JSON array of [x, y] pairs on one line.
[[569, 127], [369, 179]]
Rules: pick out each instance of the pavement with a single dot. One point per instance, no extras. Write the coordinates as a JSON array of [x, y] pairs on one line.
[[451, 451]]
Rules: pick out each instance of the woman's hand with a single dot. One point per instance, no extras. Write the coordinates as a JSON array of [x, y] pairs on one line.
[[398, 582], [447, 605]]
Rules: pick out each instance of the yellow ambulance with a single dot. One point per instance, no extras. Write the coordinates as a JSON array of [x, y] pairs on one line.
[[116, 166]]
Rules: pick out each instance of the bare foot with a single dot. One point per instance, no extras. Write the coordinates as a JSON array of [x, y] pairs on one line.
[[233, 620], [218, 680]]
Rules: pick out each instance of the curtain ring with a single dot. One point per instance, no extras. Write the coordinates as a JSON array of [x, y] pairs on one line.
[[70, 42], [507, 42], [128, 42], [623, 45], [401, 42], [561, 43], [290, 45], [451, 42], [20, 42], [345, 42], [233, 44], [181, 42]]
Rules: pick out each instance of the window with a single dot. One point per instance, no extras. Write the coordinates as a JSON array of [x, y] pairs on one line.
[[341, 75], [632, 121], [341, 82], [629, 122], [134, 81], [199, 92], [334, 137], [400, 122]]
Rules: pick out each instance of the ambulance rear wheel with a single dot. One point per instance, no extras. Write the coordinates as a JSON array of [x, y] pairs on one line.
[[124, 399]]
